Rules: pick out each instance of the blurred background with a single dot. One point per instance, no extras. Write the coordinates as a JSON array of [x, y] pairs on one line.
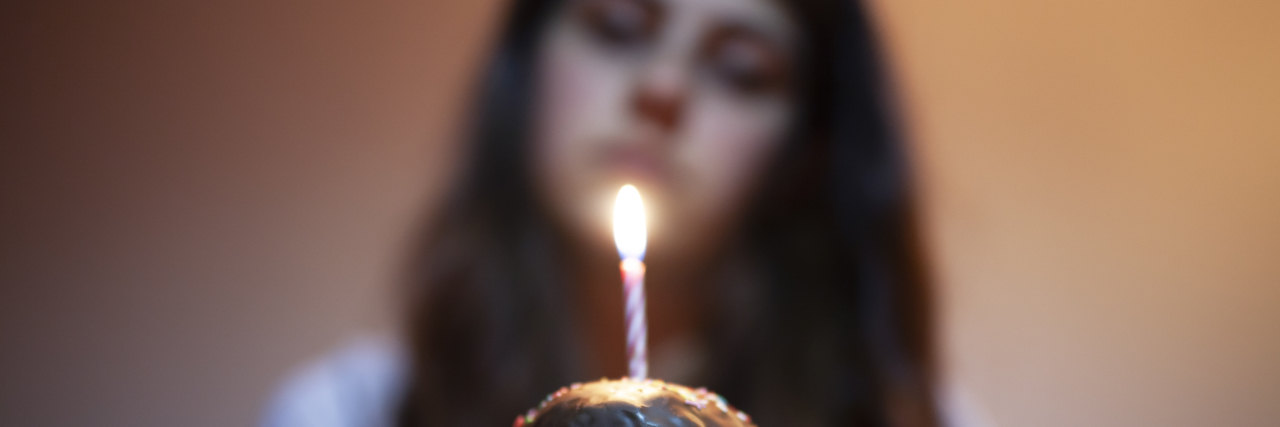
[[196, 197]]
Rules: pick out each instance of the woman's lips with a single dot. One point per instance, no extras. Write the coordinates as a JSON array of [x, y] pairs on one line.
[[638, 163]]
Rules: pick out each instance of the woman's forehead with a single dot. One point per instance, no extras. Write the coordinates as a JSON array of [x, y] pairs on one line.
[[767, 16]]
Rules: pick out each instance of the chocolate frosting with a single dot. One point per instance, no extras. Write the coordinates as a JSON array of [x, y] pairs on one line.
[[630, 403]]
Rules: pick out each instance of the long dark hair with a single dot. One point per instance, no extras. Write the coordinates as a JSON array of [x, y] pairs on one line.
[[830, 326]]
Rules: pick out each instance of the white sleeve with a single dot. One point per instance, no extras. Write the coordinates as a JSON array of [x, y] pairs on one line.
[[959, 408], [360, 385]]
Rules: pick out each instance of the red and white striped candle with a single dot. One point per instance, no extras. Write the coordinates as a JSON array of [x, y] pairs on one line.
[[630, 235]]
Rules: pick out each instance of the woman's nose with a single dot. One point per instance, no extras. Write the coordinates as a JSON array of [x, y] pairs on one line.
[[660, 96]]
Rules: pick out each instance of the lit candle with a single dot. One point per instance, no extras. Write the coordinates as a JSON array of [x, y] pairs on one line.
[[629, 233]]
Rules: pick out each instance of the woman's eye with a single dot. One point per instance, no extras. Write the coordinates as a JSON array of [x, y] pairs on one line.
[[746, 63], [621, 22]]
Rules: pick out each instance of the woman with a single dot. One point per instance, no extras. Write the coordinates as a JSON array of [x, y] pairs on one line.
[[781, 270]]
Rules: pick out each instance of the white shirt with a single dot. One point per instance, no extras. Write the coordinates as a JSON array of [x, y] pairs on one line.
[[360, 385]]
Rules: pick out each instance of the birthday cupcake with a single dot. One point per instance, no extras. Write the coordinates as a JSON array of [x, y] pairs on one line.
[[632, 403]]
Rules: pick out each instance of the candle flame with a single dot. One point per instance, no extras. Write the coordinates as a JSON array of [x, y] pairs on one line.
[[629, 232]]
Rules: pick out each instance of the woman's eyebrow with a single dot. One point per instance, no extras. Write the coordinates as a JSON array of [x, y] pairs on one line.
[[752, 31], [763, 29]]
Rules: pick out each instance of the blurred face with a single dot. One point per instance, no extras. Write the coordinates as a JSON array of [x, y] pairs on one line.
[[686, 99]]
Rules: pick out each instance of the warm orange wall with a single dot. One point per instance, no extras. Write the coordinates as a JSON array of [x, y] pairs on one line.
[[196, 196], [1103, 192]]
